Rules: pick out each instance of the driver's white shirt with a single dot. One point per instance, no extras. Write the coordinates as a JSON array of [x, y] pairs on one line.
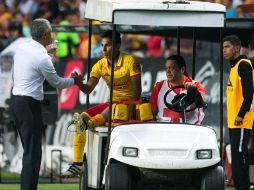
[[164, 114]]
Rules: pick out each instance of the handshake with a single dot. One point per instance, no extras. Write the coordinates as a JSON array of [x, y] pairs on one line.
[[78, 78]]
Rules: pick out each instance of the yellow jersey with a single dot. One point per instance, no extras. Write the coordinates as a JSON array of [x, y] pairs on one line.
[[235, 99], [125, 68]]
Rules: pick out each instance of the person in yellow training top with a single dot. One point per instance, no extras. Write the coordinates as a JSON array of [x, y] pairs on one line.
[[126, 86], [240, 112], [251, 47]]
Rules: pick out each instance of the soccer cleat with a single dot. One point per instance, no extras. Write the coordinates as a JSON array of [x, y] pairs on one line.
[[85, 118], [74, 170]]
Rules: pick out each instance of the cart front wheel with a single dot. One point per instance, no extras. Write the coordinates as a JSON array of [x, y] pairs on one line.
[[118, 177], [213, 179]]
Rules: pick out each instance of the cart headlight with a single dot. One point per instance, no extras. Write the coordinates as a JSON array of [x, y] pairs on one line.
[[130, 152], [204, 154]]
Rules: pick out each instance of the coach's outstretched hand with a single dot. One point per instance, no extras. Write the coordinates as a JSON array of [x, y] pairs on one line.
[[78, 79]]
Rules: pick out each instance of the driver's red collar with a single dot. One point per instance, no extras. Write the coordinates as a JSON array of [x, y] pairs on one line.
[[171, 85]]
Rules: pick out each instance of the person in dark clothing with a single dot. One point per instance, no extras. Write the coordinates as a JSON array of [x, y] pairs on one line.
[[48, 9], [251, 47], [32, 65], [240, 113], [15, 31]]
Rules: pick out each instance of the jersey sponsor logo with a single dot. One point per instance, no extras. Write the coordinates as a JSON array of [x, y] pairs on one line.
[[229, 86], [229, 83], [122, 72]]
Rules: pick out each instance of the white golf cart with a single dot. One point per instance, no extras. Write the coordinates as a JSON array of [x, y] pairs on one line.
[[154, 154]]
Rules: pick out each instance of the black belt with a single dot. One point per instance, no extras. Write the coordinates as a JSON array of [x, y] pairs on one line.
[[25, 97]]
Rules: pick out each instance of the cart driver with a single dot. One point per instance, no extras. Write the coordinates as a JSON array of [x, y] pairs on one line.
[[176, 75], [127, 86]]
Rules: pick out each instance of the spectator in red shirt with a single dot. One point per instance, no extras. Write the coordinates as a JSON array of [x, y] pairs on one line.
[[154, 46]]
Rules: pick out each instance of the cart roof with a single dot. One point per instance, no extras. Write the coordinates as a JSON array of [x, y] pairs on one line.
[[157, 12]]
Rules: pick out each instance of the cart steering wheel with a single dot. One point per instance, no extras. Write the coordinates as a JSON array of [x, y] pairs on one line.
[[182, 101]]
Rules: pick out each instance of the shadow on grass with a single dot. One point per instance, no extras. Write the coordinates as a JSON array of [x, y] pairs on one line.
[[14, 178], [42, 186]]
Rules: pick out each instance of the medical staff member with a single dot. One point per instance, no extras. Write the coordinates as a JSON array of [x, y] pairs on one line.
[[240, 113]]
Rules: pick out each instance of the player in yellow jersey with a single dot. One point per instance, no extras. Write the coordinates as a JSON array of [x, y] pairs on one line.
[[240, 113], [126, 86]]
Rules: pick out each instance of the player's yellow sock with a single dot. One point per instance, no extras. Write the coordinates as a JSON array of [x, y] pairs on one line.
[[85, 116], [79, 141], [96, 121]]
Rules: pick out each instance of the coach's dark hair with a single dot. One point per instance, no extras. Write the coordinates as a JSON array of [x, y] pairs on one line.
[[39, 27], [233, 39], [108, 34], [180, 62]]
